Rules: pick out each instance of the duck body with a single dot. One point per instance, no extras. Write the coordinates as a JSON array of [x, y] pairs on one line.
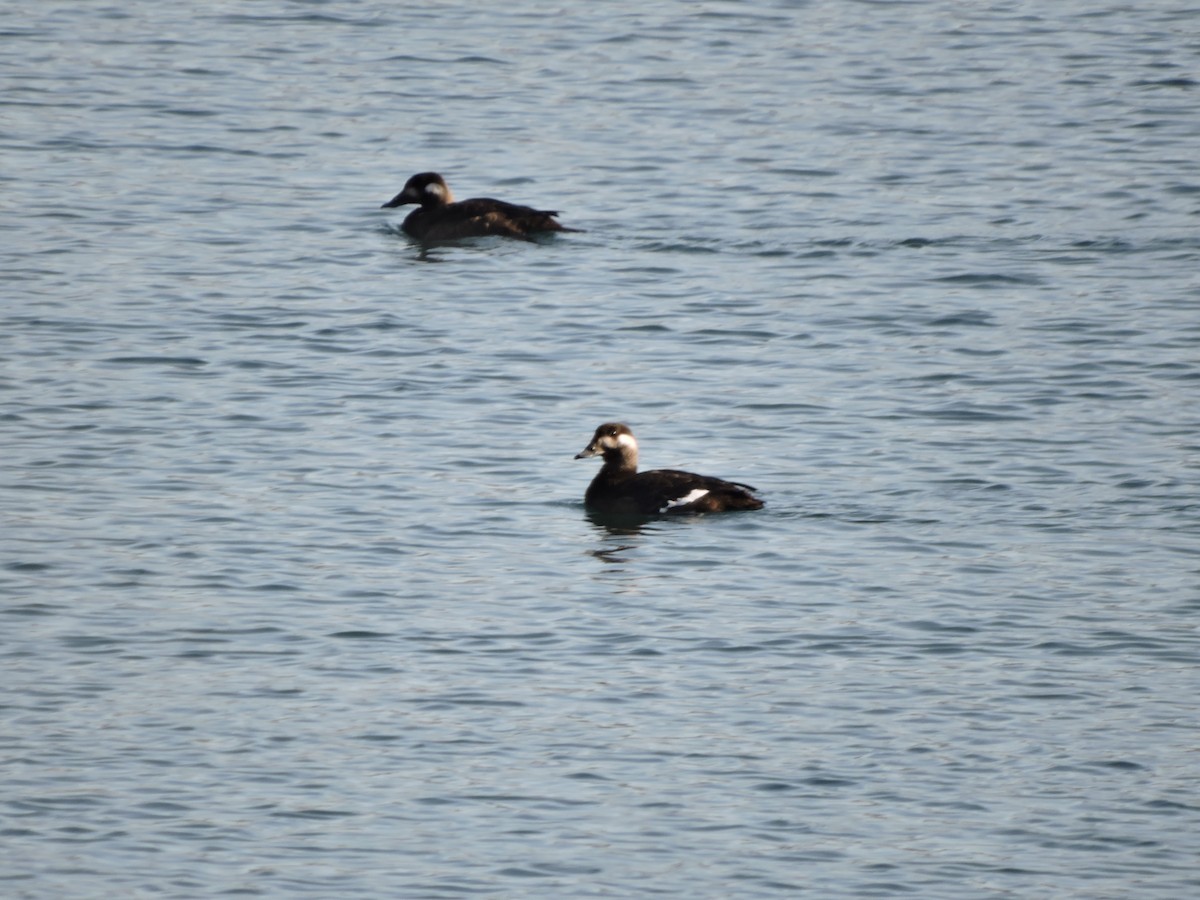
[[620, 489], [439, 217]]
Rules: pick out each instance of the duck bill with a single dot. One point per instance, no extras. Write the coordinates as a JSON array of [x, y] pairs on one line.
[[400, 199], [589, 450]]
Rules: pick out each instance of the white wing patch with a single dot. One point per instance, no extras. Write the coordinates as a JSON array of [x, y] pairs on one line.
[[691, 497]]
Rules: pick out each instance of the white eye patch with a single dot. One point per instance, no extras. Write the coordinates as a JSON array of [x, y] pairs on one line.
[[435, 189]]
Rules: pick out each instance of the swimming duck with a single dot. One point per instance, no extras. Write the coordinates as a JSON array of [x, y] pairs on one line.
[[440, 218], [621, 488]]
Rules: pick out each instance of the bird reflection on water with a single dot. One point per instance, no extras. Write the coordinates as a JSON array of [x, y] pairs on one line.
[[617, 525]]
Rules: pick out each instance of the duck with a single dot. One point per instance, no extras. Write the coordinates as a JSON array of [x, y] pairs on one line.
[[620, 488], [439, 217]]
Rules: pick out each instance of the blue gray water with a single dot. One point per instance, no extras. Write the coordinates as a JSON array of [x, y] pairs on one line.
[[299, 594]]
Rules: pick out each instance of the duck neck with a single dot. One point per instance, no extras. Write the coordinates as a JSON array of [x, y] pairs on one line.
[[620, 462]]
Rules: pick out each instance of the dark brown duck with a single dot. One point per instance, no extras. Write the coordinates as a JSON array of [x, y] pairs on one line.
[[440, 218], [620, 488]]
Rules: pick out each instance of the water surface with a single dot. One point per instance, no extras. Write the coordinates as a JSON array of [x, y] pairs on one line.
[[300, 594]]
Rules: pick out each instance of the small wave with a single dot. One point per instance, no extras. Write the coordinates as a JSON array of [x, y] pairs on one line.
[[985, 279]]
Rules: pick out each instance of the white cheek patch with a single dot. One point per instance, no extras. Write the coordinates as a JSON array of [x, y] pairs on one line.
[[626, 440], [435, 189], [691, 497]]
